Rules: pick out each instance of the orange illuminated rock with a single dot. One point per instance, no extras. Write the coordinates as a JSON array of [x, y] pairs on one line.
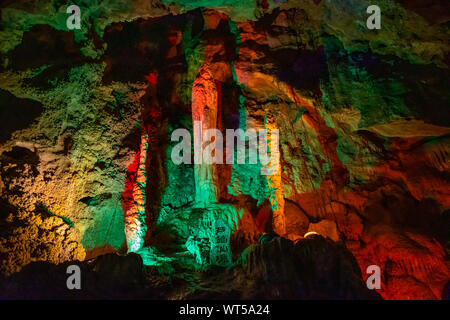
[[325, 228], [204, 117]]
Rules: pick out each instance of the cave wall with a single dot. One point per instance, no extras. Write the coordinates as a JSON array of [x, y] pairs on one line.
[[363, 119]]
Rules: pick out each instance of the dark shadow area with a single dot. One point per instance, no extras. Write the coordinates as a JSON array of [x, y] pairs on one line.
[[43, 45], [16, 114], [135, 48]]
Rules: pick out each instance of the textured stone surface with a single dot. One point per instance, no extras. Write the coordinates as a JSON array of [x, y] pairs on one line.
[[363, 119], [313, 268]]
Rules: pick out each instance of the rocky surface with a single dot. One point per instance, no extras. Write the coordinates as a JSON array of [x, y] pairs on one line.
[[363, 115], [313, 268]]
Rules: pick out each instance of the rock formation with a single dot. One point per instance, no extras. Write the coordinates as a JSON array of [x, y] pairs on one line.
[[86, 118]]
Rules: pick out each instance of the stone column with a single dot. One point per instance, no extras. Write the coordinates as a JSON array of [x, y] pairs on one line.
[[204, 116], [135, 226]]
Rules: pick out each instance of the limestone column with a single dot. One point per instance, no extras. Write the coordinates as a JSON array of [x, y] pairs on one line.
[[273, 173], [204, 116], [135, 226]]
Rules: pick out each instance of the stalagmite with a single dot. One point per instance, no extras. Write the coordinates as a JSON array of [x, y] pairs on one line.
[[135, 227], [273, 171]]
